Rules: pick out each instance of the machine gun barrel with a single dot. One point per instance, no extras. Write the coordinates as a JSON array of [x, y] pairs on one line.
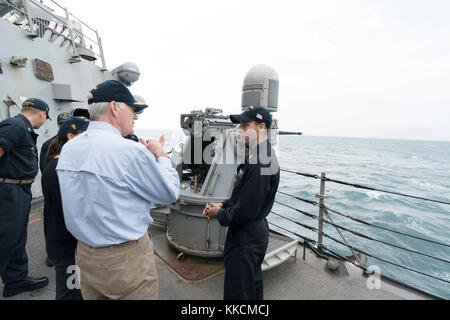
[[289, 133]]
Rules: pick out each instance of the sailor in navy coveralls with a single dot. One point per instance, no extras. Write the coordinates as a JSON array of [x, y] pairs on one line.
[[246, 211], [18, 169]]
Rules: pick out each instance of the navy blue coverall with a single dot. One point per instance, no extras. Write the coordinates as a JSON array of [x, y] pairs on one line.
[[20, 162], [245, 214], [44, 150]]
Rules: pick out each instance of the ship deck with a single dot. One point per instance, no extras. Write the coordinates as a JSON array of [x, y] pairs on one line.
[[192, 278]]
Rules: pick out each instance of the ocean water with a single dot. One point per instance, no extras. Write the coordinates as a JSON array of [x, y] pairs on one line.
[[420, 168]]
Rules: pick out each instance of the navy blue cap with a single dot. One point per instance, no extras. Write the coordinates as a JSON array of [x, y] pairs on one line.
[[37, 104], [258, 114], [113, 90], [73, 125], [62, 117]]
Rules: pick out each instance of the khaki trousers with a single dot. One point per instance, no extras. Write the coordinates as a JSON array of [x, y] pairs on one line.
[[121, 272]]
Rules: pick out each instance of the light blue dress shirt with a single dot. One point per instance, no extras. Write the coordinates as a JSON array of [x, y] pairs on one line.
[[108, 184]]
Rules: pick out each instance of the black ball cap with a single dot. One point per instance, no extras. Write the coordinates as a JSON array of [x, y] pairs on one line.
[[63, 117], [113, 90], [73, 125], [37, 104], [258, 114]]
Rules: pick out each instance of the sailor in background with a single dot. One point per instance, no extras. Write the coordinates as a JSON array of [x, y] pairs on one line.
[[246, 211], [61, 118], [61, 245], [43, 152], [18, 169]]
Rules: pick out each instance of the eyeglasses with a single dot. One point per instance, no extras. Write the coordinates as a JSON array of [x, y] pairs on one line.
[[133, 108]]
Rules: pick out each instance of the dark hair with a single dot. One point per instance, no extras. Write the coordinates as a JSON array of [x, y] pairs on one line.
[[56, 146]]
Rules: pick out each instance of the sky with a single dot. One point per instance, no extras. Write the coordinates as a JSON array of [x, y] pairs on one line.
[[354, 68]]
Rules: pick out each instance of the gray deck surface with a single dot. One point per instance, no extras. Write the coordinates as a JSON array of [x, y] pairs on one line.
[[293, 280]]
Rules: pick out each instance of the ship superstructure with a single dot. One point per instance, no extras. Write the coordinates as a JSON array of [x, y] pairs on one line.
[[49, 54]]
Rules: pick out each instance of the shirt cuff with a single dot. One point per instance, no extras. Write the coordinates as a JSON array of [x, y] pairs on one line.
[[225, 203], [165, 162], [220, 214]]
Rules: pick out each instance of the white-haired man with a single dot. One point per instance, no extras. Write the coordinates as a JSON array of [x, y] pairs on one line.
[[107, 186]]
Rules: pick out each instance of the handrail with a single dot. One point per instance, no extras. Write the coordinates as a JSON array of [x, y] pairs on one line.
[[360, 220], [72, 15], [306, 239], [14, 7], [359, 234], [384, 228], [65, 23], [359, 250], [324, 209], [360, 186]]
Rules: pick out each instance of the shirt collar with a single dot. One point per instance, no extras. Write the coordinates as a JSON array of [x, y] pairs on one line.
[[261, 146], [103, 126], [27, 122], [263, 149]]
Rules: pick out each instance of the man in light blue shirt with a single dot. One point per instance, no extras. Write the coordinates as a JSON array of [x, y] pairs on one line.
[[107, 186]]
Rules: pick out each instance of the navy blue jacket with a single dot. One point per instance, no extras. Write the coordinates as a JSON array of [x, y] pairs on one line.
[[44, 150], [61, 245], [255, 189], [18, 140]]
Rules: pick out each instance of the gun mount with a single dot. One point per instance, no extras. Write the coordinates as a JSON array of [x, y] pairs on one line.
[[207, 167]]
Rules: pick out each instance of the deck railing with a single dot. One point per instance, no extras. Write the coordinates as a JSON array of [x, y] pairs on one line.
[[38, 26], [325, 217]]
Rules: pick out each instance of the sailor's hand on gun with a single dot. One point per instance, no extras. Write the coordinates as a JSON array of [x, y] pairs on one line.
[[156, 147], [211, 210]]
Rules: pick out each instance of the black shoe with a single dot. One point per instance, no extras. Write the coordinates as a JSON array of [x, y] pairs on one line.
[[49, 262], [27, 284]]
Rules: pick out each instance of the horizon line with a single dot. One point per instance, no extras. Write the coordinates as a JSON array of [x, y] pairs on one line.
[[325, 136]]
